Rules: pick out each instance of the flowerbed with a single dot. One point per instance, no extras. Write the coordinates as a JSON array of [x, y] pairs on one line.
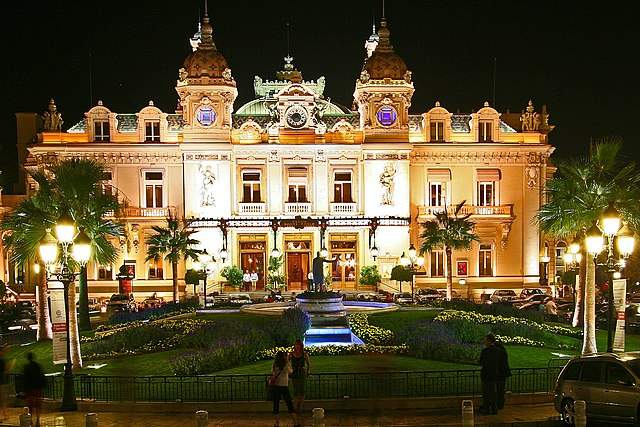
[[156, 313], [370, 334], [337, 350]]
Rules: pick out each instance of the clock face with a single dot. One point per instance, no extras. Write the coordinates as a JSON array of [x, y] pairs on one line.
[[205, 115], [387, 115], [296, 116]]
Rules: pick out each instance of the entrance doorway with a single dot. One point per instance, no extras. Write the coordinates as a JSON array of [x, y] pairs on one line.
[[252, 259], [297, 258], [344, 270]]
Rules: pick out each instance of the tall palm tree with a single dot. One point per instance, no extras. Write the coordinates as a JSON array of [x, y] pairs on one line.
[[451, 232], [174, 242], [576, 196], [74, 187]]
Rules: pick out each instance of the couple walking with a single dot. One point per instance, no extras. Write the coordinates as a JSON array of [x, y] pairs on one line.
[[494, 373], [296, 366]]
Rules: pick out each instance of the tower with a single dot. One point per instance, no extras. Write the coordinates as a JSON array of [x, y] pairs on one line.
[[206, 89], [383, 92]]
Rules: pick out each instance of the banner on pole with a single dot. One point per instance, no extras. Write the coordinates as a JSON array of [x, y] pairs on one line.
[[58, 326], [619, 302]]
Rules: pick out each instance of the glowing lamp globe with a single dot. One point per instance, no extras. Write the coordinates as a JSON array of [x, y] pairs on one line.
[[404, 260], [65, 229], [578, 258], [204, 257], [420, 261], [275, 253], [324, 252], [196, 265], [625, 242], [81, 250], [617, 275], [48, 249], [568, 257], [211, 266], [223, 254], [374, 252], [610, 221], [412, 251], [545, 259], [574, 248], [594, 240]]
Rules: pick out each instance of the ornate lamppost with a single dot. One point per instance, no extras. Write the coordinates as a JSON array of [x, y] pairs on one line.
[[77, 247], [604, 235], [413, 262], [224, 254], [205, 265], [572, 259]]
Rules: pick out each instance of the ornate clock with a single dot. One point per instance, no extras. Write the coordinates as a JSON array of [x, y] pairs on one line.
[[296, 116]]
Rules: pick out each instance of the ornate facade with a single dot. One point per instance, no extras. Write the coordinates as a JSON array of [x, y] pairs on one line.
[[294, 171]]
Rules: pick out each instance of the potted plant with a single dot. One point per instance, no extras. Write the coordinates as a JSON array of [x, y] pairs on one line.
[[401, 274], [370, 276], [233, 275], [275, 278]]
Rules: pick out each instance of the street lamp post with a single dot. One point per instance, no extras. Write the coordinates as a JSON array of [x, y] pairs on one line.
[[76, 246], [544, 260], [413, 262], [204, 265], [572, 259], [611, 229]]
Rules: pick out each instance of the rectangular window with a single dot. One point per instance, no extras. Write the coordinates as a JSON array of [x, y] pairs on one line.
[[437, 131], [437, 194], [297, 185], [342, 187], [101, 130], [484, 130], [107, 184], [484, 257], [152, 130], [155, 269], [153, 189], [437, 263], [251, 187], [105, 272], [486, 193]]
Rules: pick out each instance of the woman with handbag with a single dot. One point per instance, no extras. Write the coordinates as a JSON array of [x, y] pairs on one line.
[[279, 387], [299, 360]]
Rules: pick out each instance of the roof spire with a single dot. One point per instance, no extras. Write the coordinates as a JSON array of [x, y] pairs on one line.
[[206, 31], [384, 17]]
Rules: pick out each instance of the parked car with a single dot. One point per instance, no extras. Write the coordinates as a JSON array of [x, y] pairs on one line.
[[502, 296], [121, 302], [608, 383], [240, 299], [367, 296], [427, 295], [384, 296], [403, 298], [527, 292], [454, 294], [152, 302], [532, 301]]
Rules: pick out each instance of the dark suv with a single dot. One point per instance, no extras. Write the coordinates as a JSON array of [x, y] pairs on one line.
[[608, 383]]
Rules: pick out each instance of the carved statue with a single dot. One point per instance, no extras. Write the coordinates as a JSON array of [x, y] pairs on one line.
[[407, 76], [226, 74], [182, 74], [52, 117], [364, 76], [208, 188], [318, 111], [530, 119], [386, 179], [274, 113]]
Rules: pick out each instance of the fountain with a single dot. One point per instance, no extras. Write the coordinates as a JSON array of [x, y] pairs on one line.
[[329, 322]]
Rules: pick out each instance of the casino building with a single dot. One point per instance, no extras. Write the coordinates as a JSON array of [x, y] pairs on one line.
[[292, 171]]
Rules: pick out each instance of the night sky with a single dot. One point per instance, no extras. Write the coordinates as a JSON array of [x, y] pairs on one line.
[[578, 59]]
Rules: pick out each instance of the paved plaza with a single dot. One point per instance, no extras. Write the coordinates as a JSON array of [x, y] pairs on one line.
[[511, 415]]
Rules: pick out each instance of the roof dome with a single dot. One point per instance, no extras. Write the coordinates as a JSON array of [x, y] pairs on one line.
[[206, 60], [384, 63]]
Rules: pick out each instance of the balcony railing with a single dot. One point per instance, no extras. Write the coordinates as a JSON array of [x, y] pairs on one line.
[[136, 212], [343, 208], [501, 211], [252, 208], [297, 208]]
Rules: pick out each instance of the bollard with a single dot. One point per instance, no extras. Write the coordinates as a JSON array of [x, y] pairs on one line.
[[91, 419], [318, 417], [25, 418], [467, 413], [202, 418], [580, 411]]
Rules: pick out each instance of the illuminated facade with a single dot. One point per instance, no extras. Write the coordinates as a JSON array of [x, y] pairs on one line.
[[293, 171]]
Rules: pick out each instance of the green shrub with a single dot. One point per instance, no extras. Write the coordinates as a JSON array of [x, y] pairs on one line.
[[359, 323], [292, 325], [233, 275], [370, 276]]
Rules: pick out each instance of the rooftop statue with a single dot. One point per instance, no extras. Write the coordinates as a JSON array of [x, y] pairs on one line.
[[52, 117]]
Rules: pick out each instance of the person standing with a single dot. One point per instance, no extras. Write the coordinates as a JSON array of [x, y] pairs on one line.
[[246, 279], [299, 360], [4, 383], [489, 360], [279, 383], [254, 280], [34, 382], [504, 372]]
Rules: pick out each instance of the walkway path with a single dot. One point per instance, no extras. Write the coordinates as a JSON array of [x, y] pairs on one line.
[[511, 415]]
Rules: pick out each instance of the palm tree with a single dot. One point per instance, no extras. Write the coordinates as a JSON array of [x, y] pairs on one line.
[[174, 242], [72, 186], [451, 232], [576, 196]]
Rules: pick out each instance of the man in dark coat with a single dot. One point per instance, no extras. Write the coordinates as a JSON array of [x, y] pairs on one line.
[[34, 381], [504, 372], [318, 271], [490, 359]]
